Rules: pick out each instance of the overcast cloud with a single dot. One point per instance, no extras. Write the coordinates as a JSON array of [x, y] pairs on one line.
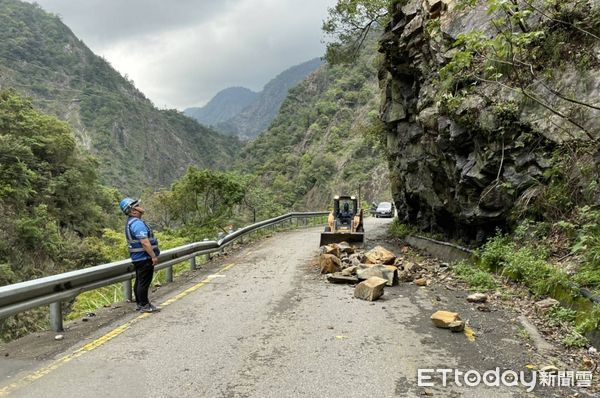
[[181, 53]]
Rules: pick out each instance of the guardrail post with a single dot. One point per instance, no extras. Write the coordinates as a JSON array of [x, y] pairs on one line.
[[56, 319], [169, 270], [219, 236], [208, 256], [192, 263], [127, 290]]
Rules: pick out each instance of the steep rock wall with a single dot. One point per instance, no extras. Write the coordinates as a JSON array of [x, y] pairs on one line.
[[461, 169]]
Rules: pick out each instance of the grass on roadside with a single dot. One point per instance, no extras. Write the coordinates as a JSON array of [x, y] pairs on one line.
[[528, 266], [478, 279], [400, 230]]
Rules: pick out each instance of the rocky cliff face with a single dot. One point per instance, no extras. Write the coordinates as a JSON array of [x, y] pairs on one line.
[[462, 167]]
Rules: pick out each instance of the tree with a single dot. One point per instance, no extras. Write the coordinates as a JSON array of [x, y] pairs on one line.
[[349, 23], [205, 199]]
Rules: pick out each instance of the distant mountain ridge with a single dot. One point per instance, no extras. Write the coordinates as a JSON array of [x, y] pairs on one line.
[[257, 115], [137, 145], [223, 106]]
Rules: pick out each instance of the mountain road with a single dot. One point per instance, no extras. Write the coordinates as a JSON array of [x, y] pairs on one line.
[[263, 322]]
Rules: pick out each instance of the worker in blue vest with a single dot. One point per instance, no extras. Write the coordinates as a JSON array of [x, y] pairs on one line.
[[144, 251]]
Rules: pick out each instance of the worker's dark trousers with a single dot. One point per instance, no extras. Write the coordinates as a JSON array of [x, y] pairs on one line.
[[143, 278]]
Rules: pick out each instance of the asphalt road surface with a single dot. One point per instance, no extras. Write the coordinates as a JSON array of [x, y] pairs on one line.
[[264, 323]]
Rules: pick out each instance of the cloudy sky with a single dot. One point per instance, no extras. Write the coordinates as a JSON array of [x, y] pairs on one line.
[[180, 53]]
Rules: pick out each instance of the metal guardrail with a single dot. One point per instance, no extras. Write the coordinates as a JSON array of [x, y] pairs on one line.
[[53, 290]]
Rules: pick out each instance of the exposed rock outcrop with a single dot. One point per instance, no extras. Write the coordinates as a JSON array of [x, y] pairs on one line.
[[461, 169]]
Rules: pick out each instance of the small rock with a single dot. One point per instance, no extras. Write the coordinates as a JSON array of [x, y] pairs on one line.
[[421, 282], [337, 277], [371, 289], [84, 319], [59, 337], [90, 314], [157, 284], [457, 326], [406, 276], [443, 319], [360, 257], [549, 369], [592, 350], [428, 392], [483, 308], [349, 271], [477, 298], [547, 303], [345, 247], [411, 267], [587, 363]]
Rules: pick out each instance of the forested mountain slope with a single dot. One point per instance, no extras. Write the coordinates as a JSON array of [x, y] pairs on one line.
[[137, 145], [324, 140]]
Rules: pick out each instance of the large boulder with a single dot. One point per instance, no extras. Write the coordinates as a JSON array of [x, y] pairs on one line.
[[371, 289], [329, 263], [332, 248], [387, 272], [380, 255]]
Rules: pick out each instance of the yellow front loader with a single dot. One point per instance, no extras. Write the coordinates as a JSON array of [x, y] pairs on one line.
[[345, 222]]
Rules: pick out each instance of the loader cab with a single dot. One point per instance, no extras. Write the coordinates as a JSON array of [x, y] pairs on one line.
[[345, 222], [345, 208]]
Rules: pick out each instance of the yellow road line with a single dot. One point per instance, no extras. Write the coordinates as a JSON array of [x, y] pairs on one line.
[[38, 374]]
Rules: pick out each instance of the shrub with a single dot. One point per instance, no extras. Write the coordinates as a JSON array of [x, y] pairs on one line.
[[477, 279], [399, 229]]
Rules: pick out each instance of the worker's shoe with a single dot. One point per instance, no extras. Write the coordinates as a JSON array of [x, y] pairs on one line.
[[149, 308]]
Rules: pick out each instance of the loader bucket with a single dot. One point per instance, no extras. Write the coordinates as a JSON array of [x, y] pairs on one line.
[[356, 238]]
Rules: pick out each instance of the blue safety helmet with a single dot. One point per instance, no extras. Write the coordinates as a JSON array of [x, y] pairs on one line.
[[127, 204]]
